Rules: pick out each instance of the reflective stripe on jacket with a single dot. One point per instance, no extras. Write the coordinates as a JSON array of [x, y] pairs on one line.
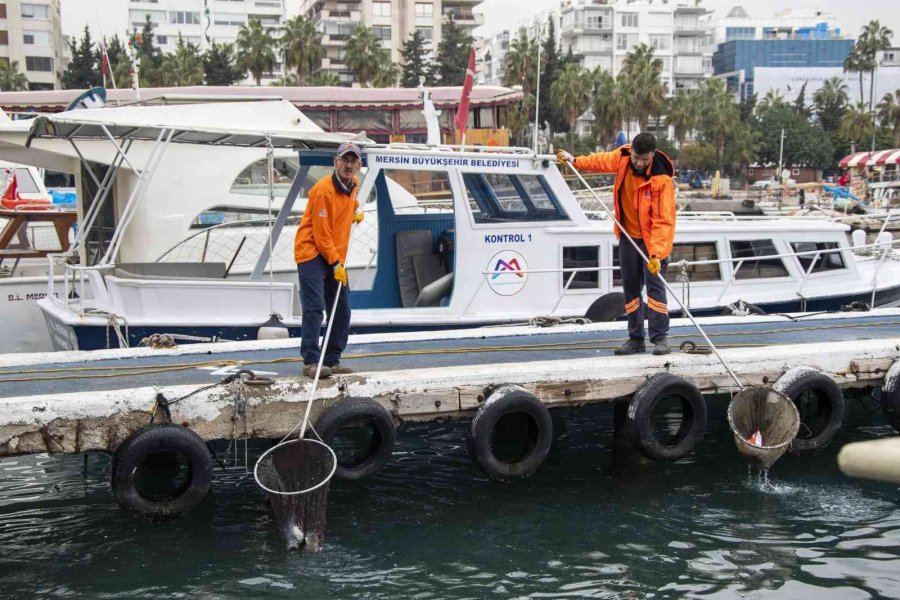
[[325, 226], [654, 198]]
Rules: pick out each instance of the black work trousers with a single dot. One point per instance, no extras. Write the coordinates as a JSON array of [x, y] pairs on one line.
[[634, 277]]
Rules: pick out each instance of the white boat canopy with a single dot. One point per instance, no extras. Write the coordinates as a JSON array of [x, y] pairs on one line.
[[247, 124]]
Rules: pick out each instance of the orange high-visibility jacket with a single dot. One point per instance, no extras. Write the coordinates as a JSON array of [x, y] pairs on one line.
[[654, 198], [325, 226]]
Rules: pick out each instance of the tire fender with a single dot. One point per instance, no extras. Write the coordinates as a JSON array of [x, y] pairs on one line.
[[890, 396], [352, 411], [799, 380], [639, 423], [151, 440], [503, 401], [606, 308]]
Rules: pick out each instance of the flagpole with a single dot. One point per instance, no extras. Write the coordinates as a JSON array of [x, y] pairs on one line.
[[537, 92]]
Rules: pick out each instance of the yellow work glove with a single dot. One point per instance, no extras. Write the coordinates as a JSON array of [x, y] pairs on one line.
[[653, 265], [340, 274], [563, 157], [358, 217]]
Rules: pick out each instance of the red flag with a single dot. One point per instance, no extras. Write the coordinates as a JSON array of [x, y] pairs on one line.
[[462, 113], [104, 64]]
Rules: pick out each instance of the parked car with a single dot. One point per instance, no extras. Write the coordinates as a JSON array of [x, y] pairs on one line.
[[764, 184]]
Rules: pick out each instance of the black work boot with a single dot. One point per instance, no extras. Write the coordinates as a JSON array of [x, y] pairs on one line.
[[632, 346], [661, 346]]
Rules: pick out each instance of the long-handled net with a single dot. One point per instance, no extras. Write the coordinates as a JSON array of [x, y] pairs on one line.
[[764, 423], [295, 475]]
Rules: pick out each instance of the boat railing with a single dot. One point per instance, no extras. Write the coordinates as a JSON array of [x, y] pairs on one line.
[[474, 149], [74, 295]]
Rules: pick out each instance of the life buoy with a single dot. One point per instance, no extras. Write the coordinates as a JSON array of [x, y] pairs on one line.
[[640, 422], [354, 413], [820, 416], [525, 418], [890, 396], [606, 308], [132, 476]]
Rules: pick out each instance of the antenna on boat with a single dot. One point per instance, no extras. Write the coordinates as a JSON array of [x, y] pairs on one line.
[[274, 328], [431, 116]]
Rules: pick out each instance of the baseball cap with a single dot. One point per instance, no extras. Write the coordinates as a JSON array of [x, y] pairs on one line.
[[349, 147]]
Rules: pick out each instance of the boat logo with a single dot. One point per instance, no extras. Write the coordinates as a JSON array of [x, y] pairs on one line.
[[323, 212], [508, 272]]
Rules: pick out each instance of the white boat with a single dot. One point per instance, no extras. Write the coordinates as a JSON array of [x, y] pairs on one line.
[[453, 239]]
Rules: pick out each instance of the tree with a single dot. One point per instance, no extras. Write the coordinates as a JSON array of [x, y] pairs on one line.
[[697, 156], [856, 124], [805, 143], [889, 114], [800, 103], [219, 65], [681, 114], [855, 62], [324, 78], [606, 108], [830, 102], [255, 49], [552, 65], [518, 117], [286, 80], [873, 39], [743, 147], [11, 79], [387, 75], [83, 69], [184, 66], [119, 62], [415, 64], [720, 116], [301, 46], [365, 55], [452, 58], [772, 99], [150, 55], [571, 92], [641, 73], [519, 63]]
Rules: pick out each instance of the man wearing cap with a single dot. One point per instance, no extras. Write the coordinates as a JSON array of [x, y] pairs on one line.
[[320, 250]]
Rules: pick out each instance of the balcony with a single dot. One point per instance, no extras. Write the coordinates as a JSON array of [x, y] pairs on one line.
[[469, 20]]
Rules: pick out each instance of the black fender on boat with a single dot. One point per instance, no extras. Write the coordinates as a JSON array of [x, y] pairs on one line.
[[890, 396], [640, 421], [606, 308], [353, 413], [161, 444], [537, 428], [820, 403]]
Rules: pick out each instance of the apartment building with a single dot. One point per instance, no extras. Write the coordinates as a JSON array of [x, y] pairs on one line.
[[392, 20], [31, 35], [606, 31]]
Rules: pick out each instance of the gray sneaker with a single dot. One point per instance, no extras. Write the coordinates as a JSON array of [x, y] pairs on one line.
[[632, 346], [661, 347], [310, 371], [340, 369]]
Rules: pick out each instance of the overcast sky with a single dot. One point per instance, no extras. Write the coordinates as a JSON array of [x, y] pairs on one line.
[[107, 15]]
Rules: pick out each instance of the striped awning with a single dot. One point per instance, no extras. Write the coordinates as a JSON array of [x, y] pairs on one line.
[[870, 159]]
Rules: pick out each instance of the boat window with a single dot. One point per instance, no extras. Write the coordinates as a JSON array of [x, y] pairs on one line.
[[218, 215], [695, 252], [581, 257], [827, 261], [416, 191], [253, 179], [499, 197], [757, 268]]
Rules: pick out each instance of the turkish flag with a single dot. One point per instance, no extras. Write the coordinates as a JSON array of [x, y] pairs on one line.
[[462, 113]]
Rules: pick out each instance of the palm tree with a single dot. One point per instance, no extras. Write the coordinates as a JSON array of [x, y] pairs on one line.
[[889, 114], [11, 80], [519, 63], [873, 39], [606, 107], [388, 73], [681, 114], [773, 99], [286, 80], [855, 62], [720, 116], [571, 92], [831, 101], [324, 78], [365, 55], [646, 91], [184, 66], [856, 124], [255, 49], [517, 116], [301, 46]]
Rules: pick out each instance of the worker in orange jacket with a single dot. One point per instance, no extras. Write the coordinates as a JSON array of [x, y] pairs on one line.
[[320, 250], [644, 197]]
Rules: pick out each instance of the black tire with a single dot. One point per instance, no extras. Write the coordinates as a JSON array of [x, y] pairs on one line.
[[890, 396], [533, 419], [606, 308], [748, 203], [157, 446], [816, 430], [352, 413], [750, 308], [640, 422]]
